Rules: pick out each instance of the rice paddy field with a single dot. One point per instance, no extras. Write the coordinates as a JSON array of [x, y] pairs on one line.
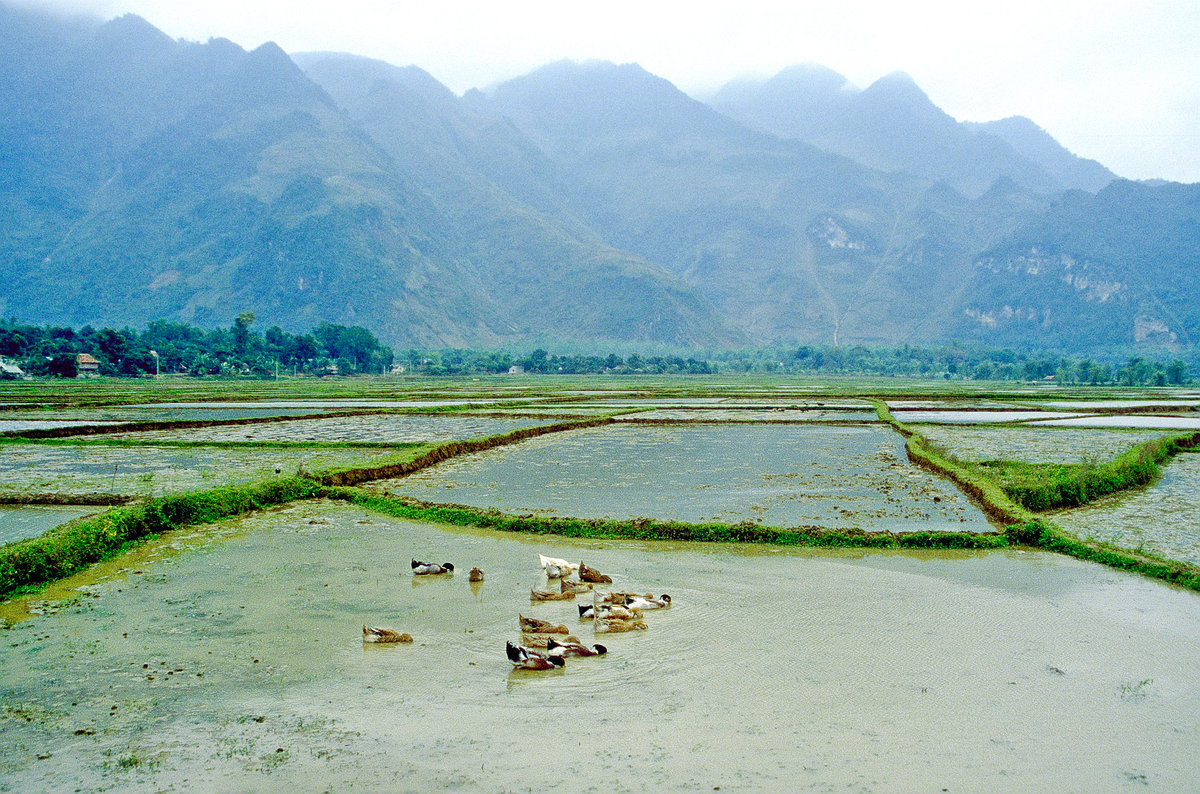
[[228, 655], [382, 428], [74, 470], [1163, 517], [832, 476], [1035, 445]]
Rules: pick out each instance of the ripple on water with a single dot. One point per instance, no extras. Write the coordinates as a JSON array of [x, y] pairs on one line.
[[895, 670]]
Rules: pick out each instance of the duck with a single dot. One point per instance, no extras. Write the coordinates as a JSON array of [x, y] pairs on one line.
[[476, 575], [608, 611], [523, 658], [574, 586], [592, 575], [613, 625], [380, 634], [430, 568], [550, 595], [555, 568], [620, 598], [642, 602], [534, 625], [569, 648]]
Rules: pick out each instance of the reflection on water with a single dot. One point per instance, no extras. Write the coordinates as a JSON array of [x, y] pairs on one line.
[[792, 475], [237, 664]]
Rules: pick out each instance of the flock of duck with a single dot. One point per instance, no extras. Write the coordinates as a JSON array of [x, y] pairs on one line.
[[545, 645]]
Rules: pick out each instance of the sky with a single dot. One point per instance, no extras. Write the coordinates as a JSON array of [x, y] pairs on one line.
[[1114, 80]]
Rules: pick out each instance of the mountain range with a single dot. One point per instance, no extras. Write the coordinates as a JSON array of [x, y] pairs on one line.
[[581, 204]]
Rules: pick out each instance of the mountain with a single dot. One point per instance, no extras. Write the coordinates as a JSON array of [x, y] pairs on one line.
[[471, 165], [892, 125], [582, 204], [790, 242], [1038, 146], [1119, 268], [153, 178]]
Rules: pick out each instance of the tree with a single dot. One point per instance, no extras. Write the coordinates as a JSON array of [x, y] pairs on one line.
[[241, 331]]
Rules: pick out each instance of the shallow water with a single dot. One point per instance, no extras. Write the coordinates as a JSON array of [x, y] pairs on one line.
[[147, 471], [237, 665], [976, 417], [781, 414], [385, 429], [1141, 422], [1035, 445], [1163, 517], [18, 522], [788, 475]]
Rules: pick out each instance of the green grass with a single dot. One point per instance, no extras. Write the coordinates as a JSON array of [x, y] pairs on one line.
[[1048, 486]]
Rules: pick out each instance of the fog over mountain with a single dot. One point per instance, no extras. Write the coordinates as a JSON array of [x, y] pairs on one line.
[[581, 204], [892, 125]]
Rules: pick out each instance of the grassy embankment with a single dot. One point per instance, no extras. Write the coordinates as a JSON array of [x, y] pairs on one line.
[[1138, 466]]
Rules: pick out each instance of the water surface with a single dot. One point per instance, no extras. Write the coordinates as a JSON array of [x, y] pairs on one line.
[[787, 475], [18, 522], [237, 665], [1163, 517], [381, 428]]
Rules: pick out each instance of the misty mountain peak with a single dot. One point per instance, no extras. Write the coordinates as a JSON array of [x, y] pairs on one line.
[[898, 87], [812, 76]]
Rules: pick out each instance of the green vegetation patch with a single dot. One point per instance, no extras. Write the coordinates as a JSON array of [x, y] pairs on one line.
[[1047, 486]]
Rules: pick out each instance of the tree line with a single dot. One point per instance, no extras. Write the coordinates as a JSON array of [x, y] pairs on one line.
[[183, 349], [329, 349]]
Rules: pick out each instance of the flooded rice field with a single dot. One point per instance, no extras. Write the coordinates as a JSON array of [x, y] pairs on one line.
[[977, 417], [752, 415], [1102, 405], [18, 522], [200, 412], [1163, 517], [378, 428], [1035, 445], [1157, 421], [790, 475], [232, 660], [148, 471], [19, 425]]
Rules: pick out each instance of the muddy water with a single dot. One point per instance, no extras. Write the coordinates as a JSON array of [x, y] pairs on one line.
[[1144, 422], [27, 521], [831, 476], [237, 665], [1163, 517], [976, 417], [390, 429], [1036, 445], [147, 471]]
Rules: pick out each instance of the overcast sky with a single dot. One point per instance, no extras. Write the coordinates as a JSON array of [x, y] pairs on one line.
[[1114, 80]]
